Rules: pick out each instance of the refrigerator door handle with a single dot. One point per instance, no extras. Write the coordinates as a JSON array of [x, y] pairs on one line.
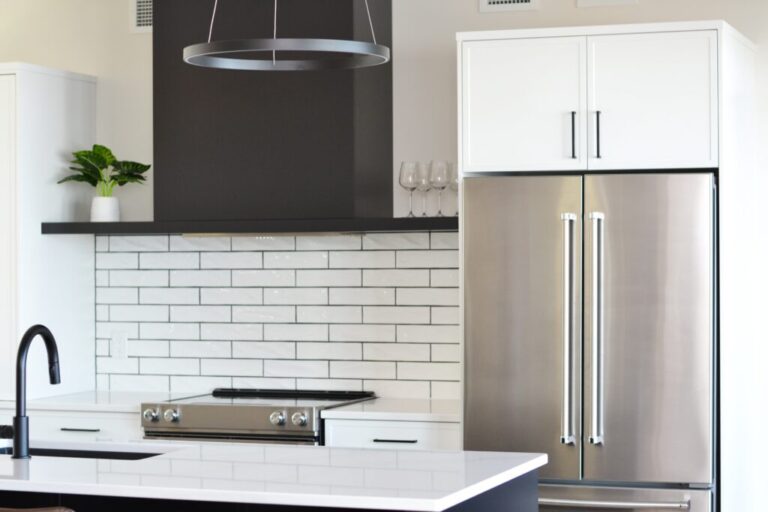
[[598, 279], [627, 505], [567, 437]]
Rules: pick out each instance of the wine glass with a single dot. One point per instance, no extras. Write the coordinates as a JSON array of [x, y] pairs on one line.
[[439, 179], [455, 185], [423, 185], [408, 182]]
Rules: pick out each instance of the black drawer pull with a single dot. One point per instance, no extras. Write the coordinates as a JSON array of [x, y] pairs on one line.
[[89, 430], [396, 441]]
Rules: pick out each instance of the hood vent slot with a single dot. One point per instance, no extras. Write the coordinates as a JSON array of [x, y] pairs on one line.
[[507, 5], [142, 15]]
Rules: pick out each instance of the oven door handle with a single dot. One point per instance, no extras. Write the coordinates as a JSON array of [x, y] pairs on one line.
[[625, 505]]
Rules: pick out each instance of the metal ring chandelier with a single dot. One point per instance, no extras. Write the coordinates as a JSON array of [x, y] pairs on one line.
[[336, 53]]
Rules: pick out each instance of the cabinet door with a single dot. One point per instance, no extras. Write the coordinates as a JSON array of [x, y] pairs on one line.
[[7, 235], [653, 101], [393, 435], [523, 105]]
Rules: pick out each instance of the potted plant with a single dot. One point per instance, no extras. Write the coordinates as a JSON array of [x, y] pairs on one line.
[[99, 168]]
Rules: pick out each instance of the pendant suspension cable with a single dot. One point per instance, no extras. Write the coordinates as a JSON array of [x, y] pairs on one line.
[[274, 35], [213, 17], [370, 21]]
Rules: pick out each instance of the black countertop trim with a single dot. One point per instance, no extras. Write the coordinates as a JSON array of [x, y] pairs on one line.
[[253, 226]]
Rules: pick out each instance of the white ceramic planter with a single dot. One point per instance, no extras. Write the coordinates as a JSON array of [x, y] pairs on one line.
[[105, 209]]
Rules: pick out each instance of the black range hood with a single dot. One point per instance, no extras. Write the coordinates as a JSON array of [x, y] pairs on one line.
[[238, 147]]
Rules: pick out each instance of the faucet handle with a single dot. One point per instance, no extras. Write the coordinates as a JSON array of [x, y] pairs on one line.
[[6, 432]]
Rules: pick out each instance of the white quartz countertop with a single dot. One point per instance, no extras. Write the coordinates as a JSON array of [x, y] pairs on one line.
[[97, 401], [390, 409], [271, 474]]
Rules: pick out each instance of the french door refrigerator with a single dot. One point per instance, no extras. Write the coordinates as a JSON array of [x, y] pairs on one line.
[[590, 334]]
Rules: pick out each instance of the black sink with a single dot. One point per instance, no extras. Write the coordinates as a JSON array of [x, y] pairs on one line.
[[83, 454]]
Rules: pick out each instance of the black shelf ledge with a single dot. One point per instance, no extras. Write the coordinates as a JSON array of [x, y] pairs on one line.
[[255, 227]]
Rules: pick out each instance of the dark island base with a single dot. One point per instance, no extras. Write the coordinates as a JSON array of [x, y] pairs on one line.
[[520, 495]]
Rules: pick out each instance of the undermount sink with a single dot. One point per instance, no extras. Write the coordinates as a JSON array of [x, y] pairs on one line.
[[83, 454]]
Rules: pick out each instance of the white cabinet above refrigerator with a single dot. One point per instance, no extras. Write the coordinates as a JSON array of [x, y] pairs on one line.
[[610, 98]]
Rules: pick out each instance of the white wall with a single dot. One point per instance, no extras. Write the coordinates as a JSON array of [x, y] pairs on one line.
[[93, 36]]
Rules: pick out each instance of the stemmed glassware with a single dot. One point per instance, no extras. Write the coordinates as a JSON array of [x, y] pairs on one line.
[[455, 185], [439, 178], [423, 185], [408, 182]]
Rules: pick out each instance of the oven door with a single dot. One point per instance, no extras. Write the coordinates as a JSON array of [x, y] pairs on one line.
[[577, 498]]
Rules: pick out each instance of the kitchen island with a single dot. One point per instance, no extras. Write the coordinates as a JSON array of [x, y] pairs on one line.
[[258, 477]]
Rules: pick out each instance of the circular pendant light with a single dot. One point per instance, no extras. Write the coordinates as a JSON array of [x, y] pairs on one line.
[[332, 54]]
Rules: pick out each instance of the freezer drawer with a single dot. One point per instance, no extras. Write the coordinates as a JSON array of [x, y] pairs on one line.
[[575, 498]]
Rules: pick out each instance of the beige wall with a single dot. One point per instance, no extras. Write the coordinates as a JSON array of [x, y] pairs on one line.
[[93, 36], [425, 57]]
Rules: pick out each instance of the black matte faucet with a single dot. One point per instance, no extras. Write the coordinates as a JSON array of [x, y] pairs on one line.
[[21, 421]]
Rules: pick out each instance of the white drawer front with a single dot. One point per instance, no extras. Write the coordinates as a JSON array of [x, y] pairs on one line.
[[79, 426], [400, 435]]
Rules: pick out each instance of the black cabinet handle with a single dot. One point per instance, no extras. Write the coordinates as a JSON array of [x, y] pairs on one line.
[[597, 127], [396, 441], [573, 134], [89, 430]]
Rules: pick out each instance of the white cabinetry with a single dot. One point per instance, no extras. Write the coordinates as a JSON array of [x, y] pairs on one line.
[[589, 99], [399, 435], [44, 116], [79, 425]]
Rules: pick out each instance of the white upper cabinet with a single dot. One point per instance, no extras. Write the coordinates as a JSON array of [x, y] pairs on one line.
[[571, 99], [656, 98], [524, 104]]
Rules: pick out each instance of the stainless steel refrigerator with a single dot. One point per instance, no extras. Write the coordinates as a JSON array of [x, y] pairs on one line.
[[590, 333]]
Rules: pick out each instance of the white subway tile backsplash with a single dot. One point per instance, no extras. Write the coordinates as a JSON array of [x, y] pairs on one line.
[[169, 295], [263, 243], [296, 332], [428, 259], [329, 314], [362, 259], [138, 278], [428, 296], [201, 314], [318, 278], [138, 243], [257, 278], [396, 277], [377, 311], [117, 296], [169, 260], [283, 296], [307, 369], [362, 296], [264, 350], [232, 332], [362, 333], [295, 260], [264, 314], [231, 260], [395, 315], [232, 367], [362, 370], [231, 296], [200, 243], [395, 352], [328, 243], [202, 278], [116, 260], [383, 241], [329, 351]]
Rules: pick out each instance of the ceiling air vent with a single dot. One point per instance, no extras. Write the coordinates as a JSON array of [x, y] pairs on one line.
[[507, 5], [141, 15]]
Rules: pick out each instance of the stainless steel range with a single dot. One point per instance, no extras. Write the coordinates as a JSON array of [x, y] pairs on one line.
[[257, 415]]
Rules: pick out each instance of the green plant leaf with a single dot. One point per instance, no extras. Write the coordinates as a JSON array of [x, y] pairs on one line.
[[105, 154], [80, 178]]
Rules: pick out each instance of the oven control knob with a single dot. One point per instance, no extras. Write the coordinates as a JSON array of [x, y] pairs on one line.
[[299, 419], [277, 418], [151, 415], [171, 415]]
